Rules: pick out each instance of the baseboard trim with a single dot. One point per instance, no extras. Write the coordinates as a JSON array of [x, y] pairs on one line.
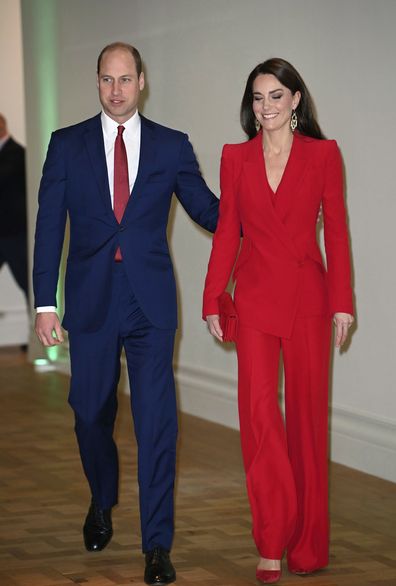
[[358, 440], [207, 394], [14, 327], [364, 442]]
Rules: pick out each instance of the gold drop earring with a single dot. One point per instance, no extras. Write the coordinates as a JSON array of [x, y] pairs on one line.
[[293, 121], [257, 125]]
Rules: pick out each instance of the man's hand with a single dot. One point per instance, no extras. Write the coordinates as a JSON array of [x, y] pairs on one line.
[[48, 329]]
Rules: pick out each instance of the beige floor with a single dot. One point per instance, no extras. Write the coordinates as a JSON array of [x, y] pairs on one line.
[[44, 499]]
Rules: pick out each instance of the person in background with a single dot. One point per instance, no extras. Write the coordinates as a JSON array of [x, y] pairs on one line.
[[114, 176], [13, 220], [272, 187]]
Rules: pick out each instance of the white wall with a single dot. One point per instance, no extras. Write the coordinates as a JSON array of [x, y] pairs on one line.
[[198, 55], [13, 313]]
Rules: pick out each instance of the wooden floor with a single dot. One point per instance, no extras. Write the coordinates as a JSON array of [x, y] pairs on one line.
[[44, 500]]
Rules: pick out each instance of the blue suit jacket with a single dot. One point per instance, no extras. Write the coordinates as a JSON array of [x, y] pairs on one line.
[[75, 184]]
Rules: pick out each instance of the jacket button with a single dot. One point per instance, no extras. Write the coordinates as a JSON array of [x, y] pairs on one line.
[[301, 263], [121, 228]]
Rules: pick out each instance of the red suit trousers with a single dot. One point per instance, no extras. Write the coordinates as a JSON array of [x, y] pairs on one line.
[[286, 461]]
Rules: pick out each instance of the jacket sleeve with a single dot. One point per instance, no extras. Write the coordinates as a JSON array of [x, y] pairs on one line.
[[226, 240], [336, 234], [50, 225], [193, 193]]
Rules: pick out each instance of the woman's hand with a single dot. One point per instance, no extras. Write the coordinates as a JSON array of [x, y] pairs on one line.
[[214, 326], [342, 322]]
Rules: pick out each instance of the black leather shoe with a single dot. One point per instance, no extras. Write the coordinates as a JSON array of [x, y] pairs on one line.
[[97, 528], [159, 568]]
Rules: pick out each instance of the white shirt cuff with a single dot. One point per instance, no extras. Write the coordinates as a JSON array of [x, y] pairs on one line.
[[45, 308]]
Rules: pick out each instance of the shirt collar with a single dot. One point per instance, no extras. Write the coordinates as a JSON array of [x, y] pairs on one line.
[[110, 126]]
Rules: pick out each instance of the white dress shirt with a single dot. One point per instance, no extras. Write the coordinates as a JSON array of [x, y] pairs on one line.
[[131, 136]]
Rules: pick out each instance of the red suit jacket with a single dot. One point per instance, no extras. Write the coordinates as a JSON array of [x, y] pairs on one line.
[[279, 272]]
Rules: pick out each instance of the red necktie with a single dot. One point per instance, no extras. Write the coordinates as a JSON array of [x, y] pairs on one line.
[[121, 180]]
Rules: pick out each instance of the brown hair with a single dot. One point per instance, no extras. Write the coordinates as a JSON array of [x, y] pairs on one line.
[[119, 45], [289, 77]]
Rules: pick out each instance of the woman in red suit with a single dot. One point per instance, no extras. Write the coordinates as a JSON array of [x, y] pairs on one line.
[[272, 188]]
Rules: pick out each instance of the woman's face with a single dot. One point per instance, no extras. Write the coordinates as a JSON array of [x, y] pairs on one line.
[[273, 102]]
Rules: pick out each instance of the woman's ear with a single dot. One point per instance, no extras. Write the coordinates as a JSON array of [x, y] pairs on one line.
[[296, 99]]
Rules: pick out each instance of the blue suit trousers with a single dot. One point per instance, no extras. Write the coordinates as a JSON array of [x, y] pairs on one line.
[[95, 364]]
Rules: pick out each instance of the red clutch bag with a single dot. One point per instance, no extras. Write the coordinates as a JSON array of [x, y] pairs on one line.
[[228, 317]]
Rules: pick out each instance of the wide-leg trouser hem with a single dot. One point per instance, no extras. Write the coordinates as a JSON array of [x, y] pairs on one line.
[[286, 466]]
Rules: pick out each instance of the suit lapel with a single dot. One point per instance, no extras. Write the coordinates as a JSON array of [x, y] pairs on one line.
[[254, 167], [8, 147], [95, 146], [146, 162], [289, 187], [147, 155]]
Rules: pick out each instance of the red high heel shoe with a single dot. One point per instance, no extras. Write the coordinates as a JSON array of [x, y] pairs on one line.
[[268, 576]]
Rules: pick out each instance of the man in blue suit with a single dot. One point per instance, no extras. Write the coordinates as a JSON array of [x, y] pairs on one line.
[[119, 290]]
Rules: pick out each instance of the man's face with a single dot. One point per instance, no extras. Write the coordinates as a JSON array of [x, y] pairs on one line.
[[119, 84], [3, 127]]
